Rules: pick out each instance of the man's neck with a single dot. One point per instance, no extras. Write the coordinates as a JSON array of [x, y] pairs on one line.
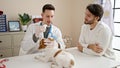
[[92, 26]]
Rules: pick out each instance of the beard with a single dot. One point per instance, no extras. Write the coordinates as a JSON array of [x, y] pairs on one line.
[[89, 22], [47, 22]]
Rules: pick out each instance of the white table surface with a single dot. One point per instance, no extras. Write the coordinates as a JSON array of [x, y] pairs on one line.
[[82, 61]]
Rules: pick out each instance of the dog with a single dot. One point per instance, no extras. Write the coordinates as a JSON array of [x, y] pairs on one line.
[[59, 58]]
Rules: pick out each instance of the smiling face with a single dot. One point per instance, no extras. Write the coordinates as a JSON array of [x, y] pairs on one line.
[[48, 16]]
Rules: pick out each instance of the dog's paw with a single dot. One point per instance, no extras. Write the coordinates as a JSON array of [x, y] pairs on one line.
[[41, 58], [37, 57], [54, 65]]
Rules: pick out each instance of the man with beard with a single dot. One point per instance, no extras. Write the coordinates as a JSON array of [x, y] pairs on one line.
[[42, 30], [95, 37]]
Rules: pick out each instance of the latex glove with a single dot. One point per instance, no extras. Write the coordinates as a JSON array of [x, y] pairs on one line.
[[51, 44], [40, 29]]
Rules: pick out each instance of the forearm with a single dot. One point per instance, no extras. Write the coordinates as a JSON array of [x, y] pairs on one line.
[[61, 44], [91, 52], [88, 50], [59, 39]]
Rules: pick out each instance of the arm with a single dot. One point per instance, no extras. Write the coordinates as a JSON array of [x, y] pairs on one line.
[[103, 42], [27, 42], [80, 47], [60, 40], [82, 40], [81, 44], [57, 36], [86, 50], [104, 39], [30, 41]]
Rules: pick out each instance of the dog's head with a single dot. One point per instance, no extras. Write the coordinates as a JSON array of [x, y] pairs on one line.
[[42, 45]]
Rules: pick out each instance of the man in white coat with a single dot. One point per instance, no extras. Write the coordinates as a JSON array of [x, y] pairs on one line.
[[40, 30], [95, 37]]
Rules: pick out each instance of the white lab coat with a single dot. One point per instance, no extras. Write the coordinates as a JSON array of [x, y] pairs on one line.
[[101, 34], [27, 43]]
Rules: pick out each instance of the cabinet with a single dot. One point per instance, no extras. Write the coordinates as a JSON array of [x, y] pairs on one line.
[[10, 43]]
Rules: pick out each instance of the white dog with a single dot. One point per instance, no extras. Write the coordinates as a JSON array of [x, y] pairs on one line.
[[58, 57]]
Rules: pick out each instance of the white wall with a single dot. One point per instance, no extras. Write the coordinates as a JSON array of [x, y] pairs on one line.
[[79, 7], [69, 14]]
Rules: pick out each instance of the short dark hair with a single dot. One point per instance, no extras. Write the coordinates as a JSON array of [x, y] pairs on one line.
[[48, 7], [96, 10]]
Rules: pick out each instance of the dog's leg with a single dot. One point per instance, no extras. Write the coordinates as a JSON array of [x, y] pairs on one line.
[[41, 58], [54, 65]]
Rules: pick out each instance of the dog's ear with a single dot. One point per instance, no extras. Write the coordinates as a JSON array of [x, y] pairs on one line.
[[51, 39], [41, 44]]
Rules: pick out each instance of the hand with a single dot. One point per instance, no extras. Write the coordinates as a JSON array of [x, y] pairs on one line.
[[80, 47], [39, 29], [95, 47], [51, 43]]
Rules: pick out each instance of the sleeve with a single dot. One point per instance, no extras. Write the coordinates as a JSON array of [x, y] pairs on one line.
[[27, 42], [82, 37], [104, 39], [59, 39], [90, 52]]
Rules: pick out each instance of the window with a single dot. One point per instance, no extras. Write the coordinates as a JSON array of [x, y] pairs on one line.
[[116, 17]]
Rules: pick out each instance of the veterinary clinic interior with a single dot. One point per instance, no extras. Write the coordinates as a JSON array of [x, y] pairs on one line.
[[68, 18]]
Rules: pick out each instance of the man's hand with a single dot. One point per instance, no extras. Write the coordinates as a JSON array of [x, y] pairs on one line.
[[51, 43], [80, 47], [95, 47], [39, 29]]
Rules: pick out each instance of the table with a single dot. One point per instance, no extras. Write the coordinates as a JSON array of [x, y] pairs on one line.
[[89, 61], [82, 61]]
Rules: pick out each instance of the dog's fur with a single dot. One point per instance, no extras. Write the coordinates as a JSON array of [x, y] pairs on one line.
[[59, 58]]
